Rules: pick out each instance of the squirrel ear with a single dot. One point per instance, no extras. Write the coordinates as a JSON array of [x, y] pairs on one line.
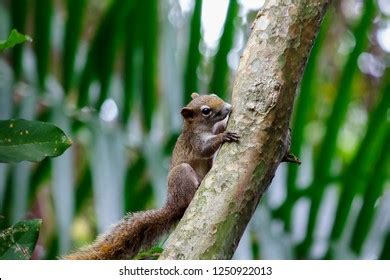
[[187, 112], [194, 95], [213, 94]]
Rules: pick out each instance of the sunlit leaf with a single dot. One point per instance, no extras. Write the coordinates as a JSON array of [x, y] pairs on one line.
[[13, 39]]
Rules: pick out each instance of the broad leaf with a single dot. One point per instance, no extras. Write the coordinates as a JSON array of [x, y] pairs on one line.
[[30, 140], [18, 242], [13, 39]]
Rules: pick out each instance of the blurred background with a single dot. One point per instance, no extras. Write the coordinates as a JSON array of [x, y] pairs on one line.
[[114, 74]]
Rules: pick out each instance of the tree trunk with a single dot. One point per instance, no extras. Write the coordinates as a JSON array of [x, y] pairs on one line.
[[263, 94]]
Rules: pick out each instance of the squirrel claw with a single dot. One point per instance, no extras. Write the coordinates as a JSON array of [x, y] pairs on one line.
[[288, 157], [230, 136]]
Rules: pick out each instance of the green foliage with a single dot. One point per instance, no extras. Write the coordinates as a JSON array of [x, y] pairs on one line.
[[18, 242], [151, 254], [43, 25], [73, 29], [103, 50], [193, 54], [19, 18], [385, 254], [375, 186], [356, 176], [326, 154], [13, 39], [150, 62], [132, 44], [30, 140], [220, 79]]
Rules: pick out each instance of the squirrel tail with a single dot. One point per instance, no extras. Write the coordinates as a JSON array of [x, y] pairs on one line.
[[134, 232]]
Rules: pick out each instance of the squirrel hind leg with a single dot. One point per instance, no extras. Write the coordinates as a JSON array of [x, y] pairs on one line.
[[182, 184]]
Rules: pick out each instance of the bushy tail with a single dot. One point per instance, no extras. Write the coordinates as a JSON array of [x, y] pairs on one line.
[[134, 232]]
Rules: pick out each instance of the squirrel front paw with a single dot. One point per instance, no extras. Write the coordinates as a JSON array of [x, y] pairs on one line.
[[230, 137]]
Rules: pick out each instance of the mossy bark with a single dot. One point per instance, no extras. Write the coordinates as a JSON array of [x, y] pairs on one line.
[[263, 95]]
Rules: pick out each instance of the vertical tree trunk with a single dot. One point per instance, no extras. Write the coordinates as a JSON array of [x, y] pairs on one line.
[[263, 94]]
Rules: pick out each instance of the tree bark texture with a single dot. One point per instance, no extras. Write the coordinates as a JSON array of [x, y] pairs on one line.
[[263, 95]]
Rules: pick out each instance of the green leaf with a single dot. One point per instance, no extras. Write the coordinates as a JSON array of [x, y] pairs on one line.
[[43, 24], [18, 242], [103, 51], [149, 97], [132, 44], [357, 173], [74, 27], [30, 140], [13, 39], [19, 15], [194, 56], [376, 182], [328, 147], [151, 254], [385, 254], [219, 83]]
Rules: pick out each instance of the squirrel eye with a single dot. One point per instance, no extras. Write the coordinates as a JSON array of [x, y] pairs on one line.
[[206, 111]]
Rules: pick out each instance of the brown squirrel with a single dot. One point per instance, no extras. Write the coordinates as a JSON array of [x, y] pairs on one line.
[[202, 135]]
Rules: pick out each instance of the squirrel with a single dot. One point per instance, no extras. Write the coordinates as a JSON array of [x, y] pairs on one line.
[[202, 135]]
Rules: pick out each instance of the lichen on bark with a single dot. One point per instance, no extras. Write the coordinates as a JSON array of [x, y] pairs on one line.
[[263, 94]]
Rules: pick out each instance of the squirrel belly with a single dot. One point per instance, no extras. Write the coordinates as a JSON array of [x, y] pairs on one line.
[[192, 158]]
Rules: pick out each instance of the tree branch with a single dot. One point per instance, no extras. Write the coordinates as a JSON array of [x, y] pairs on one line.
[[263, 94]]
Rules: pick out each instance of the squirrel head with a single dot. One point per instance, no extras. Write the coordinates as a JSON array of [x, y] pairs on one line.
[[205, 110]]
